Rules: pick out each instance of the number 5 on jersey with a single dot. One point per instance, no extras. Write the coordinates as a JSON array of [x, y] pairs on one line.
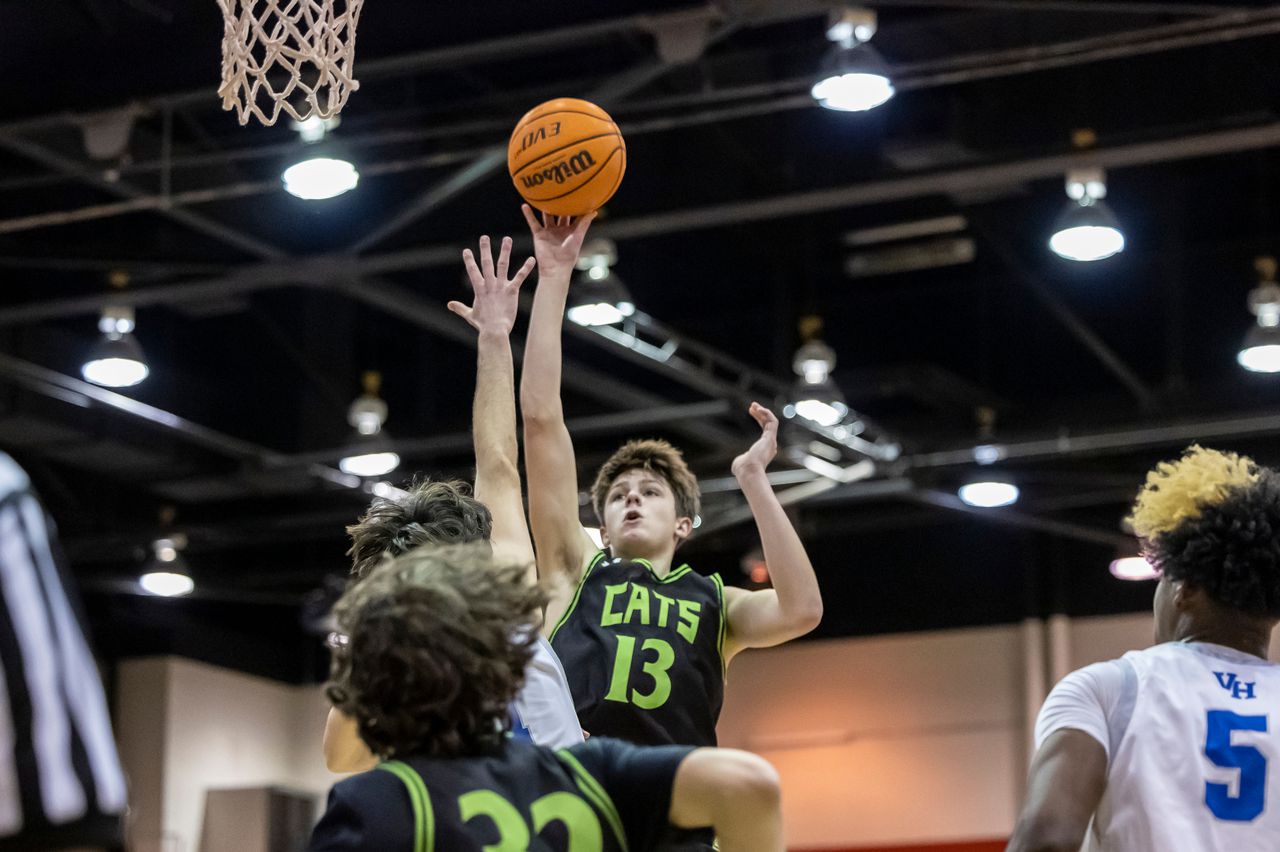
[[1250, 799], [619, 684]]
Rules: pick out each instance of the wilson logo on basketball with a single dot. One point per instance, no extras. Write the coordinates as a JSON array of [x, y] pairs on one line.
[[561, 171], [566, 157]]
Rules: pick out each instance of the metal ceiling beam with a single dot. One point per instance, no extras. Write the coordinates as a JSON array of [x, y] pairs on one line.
[[1007, 517], [1091, 7], [317, 268], [1151, 436], [493, 159], [1068, 318], [340, 272], [64, 165], [52, 383], [908, 77], [459, 443], [585, 380], [324, 269], [503, 48]]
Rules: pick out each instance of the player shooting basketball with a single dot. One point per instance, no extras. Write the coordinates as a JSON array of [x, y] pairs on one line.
[[644, 642], [439, 640], [443, 512], [1175, 748]]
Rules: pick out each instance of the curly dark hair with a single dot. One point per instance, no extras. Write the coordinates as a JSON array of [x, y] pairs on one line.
[[432, 512], [1227, 540], [658, 457], [437, 643]]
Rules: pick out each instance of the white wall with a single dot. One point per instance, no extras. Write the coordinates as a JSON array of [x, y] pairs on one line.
[[212, 729], [863, 731]]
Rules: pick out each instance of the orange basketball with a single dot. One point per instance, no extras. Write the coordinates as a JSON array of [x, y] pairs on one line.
[[566, 157]]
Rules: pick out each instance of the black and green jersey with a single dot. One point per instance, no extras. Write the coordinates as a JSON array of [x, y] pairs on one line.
[[644, 654], [600, 796]]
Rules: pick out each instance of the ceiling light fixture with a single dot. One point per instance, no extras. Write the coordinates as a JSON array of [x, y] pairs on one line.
[[371, 456], [167, 574], [1086, 230], [116, 361], [989, 494], [1133, 568], [599, 297], [325, 171], [318, 178], [815, 397], [853, 78], [1260, 352]]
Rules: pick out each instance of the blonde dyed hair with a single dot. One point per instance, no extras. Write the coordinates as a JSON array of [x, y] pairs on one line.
[[1178, 491]]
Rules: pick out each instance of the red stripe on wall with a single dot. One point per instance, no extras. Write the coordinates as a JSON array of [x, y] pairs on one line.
[[971, 846]]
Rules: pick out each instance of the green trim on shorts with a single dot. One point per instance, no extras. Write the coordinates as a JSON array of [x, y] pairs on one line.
[[582, 581], [424, 823], [595, 793]]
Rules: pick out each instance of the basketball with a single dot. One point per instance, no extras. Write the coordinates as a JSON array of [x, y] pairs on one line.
[[566, 157]]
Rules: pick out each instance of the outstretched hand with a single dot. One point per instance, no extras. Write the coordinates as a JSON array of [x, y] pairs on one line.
[[763, 451], [497, 298], [557, 240]]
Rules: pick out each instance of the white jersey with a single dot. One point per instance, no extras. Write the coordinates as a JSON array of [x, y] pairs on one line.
[[544, 706], [1192, 736]]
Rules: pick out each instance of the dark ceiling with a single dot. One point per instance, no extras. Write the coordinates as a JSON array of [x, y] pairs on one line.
[[259, 312]]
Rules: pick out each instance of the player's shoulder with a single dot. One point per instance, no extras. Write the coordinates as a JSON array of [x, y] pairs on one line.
[[1198, 654], [372, 786], [370, 810], [1101, 681]]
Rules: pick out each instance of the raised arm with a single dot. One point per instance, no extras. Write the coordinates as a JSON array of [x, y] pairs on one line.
[[734, 792], [793, 606], [563, 547], [1067, 780], [493, 419]]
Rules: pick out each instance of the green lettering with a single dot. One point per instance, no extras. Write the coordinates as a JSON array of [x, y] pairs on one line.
[[580, 822], [658, 671], [609, 617], [513, 834], [690, 614], [639, 603], [621, 669], [664, 603]]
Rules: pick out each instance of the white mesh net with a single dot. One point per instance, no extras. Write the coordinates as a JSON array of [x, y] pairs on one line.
[[290, 55]]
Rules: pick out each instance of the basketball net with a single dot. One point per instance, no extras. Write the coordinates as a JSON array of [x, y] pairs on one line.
[[291, 55]]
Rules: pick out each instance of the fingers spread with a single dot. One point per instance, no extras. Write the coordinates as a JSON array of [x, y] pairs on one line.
[[523, 272], [486, 258], [530, 218], [504, 259], [584, 222], [473, 271]]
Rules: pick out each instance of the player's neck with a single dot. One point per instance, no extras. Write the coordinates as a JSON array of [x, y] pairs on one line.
[[1249, 639], [660, 562]]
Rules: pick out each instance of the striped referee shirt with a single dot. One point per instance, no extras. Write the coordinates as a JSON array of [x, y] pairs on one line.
[[58, 762]]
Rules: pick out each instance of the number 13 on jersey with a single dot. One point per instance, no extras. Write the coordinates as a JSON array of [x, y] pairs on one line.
[[656, 669]]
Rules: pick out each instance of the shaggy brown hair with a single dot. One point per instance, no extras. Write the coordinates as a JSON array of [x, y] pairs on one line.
[[437, 643], [657, 457], [431, 513]]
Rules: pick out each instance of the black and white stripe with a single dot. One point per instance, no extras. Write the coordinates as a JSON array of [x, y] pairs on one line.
[[58, 762]]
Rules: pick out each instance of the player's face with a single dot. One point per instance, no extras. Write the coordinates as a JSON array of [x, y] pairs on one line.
[[640, 517]]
